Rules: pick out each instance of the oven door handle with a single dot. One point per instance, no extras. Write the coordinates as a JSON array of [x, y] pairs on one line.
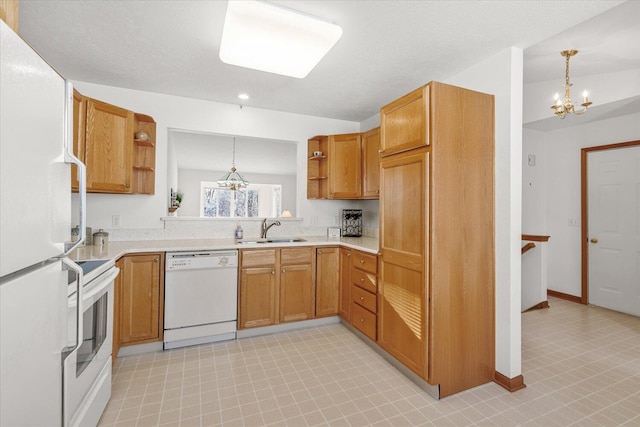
[[70, 265], [101, 283]]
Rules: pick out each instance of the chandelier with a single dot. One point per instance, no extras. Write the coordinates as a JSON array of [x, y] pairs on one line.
[[562, 108], [233, 180]]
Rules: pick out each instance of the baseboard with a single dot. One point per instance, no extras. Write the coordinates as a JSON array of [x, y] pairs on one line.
[[510, 384], [543, 304], [564, 296]]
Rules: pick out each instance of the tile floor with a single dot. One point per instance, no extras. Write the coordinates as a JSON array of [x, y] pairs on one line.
[[581, 365]]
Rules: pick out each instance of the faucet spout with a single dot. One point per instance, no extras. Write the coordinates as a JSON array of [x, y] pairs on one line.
[[265, 228]]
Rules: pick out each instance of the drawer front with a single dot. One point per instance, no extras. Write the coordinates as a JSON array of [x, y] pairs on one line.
[[364, 298], [363, 320], [296, 256], [365, 280], [366, 262], [257, 258]]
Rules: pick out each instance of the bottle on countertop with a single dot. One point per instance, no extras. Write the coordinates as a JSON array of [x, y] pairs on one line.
[[239, 233]]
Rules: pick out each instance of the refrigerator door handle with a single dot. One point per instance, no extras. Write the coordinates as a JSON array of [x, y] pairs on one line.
[[70, 265], [70, 158]]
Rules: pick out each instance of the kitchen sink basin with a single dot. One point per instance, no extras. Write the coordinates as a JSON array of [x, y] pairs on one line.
[[274, 240]]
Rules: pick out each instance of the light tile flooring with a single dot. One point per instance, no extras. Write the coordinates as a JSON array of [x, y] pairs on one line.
[[581, 365]]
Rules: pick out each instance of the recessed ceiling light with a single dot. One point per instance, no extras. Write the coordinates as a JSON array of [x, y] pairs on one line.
[[268, 37], [243, 96]]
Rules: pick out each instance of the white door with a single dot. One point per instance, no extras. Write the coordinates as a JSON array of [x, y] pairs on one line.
[[614, 229]]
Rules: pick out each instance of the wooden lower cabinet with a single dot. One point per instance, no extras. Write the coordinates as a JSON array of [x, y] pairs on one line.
[[344, 304], [258, 297], [296, 284], [139, 300], [364, 287], [327, 281]]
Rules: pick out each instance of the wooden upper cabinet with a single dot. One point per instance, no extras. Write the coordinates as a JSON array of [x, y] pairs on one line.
[[318, 167], [9, 13], [345, 166], [108, 147], [78, 135], [404, 123], [371, 164], [327, 281]]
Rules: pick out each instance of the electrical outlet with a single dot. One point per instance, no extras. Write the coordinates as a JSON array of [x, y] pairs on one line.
[[115, 220], [531, 159]]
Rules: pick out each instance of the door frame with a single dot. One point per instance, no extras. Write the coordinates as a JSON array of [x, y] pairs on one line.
[[584, 298]]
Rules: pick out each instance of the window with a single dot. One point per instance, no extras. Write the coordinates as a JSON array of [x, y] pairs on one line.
[[257, 200]]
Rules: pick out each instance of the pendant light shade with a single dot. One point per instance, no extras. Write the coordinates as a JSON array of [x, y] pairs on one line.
[[233, 180]]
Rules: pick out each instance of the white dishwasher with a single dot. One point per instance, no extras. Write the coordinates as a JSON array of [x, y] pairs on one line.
[[200, 297]]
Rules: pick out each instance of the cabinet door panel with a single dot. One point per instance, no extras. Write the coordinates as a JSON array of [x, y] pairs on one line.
[[78, 135], [258, 298], [404, 123], [296, 293], [371, 164], [108, 147], [327, 281], [345, 284], [345, 166], [140, 299]]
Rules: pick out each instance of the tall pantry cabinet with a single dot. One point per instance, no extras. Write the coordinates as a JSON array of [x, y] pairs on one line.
[[436, 268]]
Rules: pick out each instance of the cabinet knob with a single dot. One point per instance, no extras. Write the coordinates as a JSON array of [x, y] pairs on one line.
[[348, 254], [273, 272], [361, 261], [283, 270], [319, 251], [362, 279], [361, 320], [361, 298], [155, 260]]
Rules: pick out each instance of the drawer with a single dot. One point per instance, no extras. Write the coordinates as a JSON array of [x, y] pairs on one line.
[[289, 256], [365, 280], [366, 262], [257, 258], [364, 298], [363, 320]]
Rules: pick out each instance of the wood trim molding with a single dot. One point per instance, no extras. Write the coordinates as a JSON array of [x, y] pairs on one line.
[[527, 247], [535, 238], [564, 296], [543, 304], [510, 384], [584, 207]]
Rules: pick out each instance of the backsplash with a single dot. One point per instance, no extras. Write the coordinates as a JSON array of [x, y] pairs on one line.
[[196, 228]]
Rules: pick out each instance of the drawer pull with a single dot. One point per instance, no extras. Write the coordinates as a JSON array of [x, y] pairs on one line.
[[362, 279], [361, 298], [361, 261], [361, 320]]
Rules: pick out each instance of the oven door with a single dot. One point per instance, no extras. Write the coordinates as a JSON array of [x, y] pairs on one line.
[[87, 364]]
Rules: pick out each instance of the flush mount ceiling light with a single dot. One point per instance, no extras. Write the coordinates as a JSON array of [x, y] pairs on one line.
[[564, 107], [243, 96], [233, 180], [268, 37]]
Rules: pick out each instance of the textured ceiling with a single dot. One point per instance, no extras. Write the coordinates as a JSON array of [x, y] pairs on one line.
[[387, 49]]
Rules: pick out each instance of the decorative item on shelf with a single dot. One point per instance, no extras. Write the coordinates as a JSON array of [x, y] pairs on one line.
[[233, 180], [351, 222], [174, 203], [286, 214], [142, 136], [317, 154], [564, 107]]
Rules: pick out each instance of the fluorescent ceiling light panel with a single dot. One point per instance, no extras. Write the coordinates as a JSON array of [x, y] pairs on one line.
[[271, 38]]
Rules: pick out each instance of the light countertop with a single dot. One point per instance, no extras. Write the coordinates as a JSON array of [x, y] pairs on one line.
[[115, 250]]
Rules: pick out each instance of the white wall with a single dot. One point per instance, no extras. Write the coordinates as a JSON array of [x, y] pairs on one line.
[[144, 212], [557, 192], [501, 75]]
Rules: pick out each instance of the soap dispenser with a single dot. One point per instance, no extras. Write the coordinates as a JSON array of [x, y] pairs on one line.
[[238, 232]]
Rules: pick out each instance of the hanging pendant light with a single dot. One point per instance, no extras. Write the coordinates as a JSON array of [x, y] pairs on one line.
[[563, 107], [233, 180]]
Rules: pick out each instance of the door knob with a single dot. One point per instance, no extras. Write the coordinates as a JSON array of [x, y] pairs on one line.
[[594, 240]]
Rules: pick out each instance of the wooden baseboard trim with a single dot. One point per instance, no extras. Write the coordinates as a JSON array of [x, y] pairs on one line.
[[543, 304], [564, 296], [510, 384]]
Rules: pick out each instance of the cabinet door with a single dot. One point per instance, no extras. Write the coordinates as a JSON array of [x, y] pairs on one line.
[[108, 147], [78, 135], [402, 278], [296, 293], [404, 123], [327, 281], [140, 312], [118, 286], [344, 308], [345, 166], [371, 164], [258, 297]]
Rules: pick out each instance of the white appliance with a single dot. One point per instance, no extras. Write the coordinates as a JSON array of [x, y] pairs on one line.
[[201, 297], [37, 342]]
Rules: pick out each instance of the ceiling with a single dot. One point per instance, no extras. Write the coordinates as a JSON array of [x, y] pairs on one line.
[[387, 48]]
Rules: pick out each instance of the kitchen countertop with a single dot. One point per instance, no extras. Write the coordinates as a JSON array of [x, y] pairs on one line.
[[115, 250]]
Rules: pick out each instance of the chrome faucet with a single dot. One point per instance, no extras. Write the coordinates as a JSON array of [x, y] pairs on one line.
[[265, 228]]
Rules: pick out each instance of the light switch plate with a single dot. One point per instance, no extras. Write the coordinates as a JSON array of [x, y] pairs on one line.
[[333, 232]]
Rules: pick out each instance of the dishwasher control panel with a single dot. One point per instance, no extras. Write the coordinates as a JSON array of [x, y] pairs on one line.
[[201, 259]]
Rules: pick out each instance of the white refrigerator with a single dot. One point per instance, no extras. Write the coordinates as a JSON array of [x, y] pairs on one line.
[[36, 109]]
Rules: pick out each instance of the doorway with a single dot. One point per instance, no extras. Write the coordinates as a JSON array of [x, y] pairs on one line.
[[611, 226]]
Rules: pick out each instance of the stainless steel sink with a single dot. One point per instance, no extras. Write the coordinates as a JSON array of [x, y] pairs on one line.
[[274, 240]]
